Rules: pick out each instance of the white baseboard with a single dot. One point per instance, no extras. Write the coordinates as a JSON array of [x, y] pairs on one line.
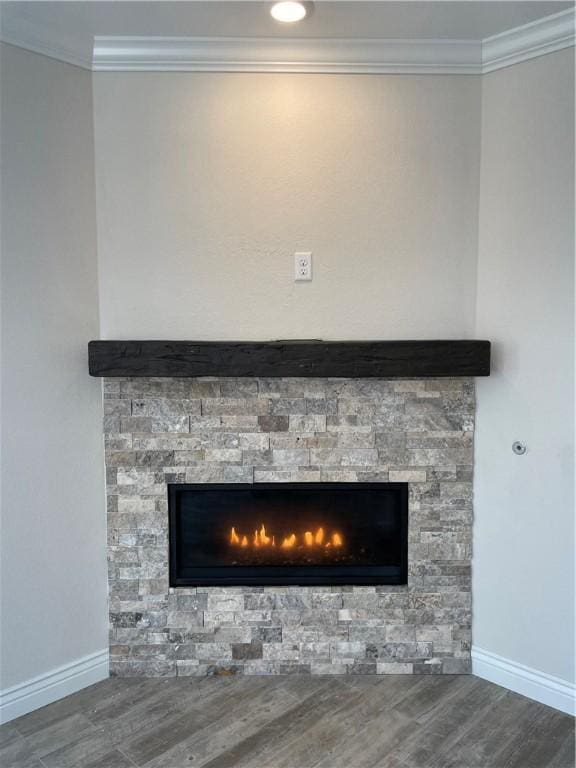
[[54, 685], [529, 682], [61, 682]]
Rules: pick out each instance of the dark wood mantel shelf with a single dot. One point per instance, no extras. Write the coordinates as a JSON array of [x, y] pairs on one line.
[[346, 359]]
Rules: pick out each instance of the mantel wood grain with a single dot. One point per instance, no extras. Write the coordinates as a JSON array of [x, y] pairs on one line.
[[346, 359]]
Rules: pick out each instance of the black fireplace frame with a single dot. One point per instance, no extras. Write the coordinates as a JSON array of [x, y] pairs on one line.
[[294, 574]]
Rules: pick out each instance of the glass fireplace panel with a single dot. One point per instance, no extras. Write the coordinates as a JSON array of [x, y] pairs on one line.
[[288, 533]]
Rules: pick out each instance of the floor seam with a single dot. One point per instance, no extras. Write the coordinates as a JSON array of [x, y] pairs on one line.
[[127, 757]]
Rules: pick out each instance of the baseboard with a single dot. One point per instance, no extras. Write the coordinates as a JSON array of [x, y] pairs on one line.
[[54, 685], [61, 682], [529, 682]]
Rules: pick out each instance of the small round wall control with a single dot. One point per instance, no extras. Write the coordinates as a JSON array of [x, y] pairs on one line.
[[519, 448]]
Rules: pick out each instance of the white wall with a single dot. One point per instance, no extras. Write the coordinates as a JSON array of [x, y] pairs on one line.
[[53, 603], [524, 505], [207, 184]]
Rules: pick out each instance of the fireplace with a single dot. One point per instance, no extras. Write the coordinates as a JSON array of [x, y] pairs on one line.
[[288, 533], [408, 613]]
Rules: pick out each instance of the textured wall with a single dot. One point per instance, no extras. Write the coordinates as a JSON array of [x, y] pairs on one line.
[[207, 184], [262, 430]]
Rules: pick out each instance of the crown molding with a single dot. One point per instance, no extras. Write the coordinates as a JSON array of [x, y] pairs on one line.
[[24, 33], [552, 33], [320, 55]]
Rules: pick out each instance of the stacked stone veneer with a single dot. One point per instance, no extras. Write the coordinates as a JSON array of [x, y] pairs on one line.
[[160, 431]]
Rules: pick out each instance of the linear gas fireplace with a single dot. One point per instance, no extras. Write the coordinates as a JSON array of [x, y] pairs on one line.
[[288, 533], [290, 488]]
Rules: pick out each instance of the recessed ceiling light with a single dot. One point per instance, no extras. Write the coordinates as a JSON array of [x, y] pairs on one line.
[[288, 12]]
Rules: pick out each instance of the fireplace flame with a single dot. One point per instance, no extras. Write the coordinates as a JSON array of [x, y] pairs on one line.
[[289, 541], [261, 538]]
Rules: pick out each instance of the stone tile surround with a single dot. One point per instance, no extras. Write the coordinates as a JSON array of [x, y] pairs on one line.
[[160, 431]]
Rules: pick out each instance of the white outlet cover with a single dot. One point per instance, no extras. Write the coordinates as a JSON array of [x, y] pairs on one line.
[[303, 266]]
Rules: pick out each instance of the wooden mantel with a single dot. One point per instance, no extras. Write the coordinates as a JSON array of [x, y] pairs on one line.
[[346, 359]]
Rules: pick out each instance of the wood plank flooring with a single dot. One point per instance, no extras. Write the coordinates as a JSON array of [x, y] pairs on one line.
[[291, 722]]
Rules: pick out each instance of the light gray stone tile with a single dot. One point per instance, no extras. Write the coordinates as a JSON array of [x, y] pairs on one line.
[[239, 387], [240, 422], [339, 475], [322, 668], [350, 457], [280, 652], [135, 424], [224, 455], [346, 440], [117, 408], [394, 668], [309, 423], [287, 406], [187, 458], [400, 633], [257, 458], [315, 651], [254, 441], [226, 602], [234, 406], [165, 442], [297, 457], [407, 476], [117, 442], [286, 476], [321, 405], [289, 440]]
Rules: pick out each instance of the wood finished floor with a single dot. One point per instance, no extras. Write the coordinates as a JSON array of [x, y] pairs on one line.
[[291, 722]]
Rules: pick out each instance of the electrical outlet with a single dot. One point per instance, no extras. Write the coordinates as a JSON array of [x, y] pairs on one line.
[[303, 266]]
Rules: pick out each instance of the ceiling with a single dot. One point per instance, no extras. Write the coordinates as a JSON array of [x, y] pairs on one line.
[[67, 30], [405, 20]]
